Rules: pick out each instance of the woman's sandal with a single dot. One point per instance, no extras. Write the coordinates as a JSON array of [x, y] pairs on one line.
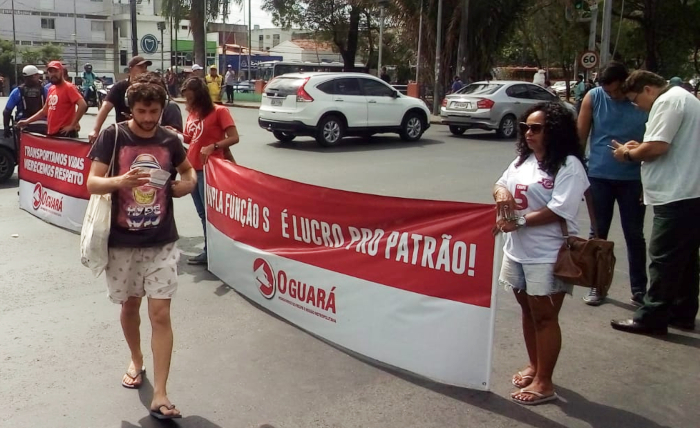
[[522, 382], [158, 414], [133, 378], [540, 398]]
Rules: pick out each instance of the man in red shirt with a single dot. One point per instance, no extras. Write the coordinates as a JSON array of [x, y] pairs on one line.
[[59, 109]]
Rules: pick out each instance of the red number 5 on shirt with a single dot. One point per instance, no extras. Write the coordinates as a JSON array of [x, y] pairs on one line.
[[520, 198]]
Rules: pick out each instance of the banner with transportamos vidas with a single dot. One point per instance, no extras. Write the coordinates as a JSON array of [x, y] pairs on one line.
[[406, 282], [53, 179]]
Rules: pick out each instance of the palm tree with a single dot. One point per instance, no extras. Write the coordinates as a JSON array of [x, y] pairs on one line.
[[197, 11]]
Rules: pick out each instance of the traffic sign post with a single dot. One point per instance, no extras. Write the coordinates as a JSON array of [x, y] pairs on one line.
[[589, 60]]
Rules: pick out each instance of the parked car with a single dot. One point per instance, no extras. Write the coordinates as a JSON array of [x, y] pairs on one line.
[[493, 105], [330, 106], [244, 86], [560, 87]]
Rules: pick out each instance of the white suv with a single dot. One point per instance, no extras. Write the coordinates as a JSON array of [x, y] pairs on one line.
[[330, 106]]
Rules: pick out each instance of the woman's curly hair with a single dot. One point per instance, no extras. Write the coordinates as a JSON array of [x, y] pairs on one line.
[[560, 137]]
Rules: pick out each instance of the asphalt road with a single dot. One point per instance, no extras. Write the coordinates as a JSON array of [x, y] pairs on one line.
[[62, 353]]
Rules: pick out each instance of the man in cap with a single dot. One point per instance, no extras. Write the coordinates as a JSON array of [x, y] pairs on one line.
[[230, 81], [28, 98], [214, 84], [116, 98], [60, 109], [198, 70]]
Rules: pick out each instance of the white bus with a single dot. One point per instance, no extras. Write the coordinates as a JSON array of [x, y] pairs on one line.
[[267, 70]]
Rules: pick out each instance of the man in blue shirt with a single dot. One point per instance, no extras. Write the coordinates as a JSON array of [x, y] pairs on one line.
[[28, 98], [606, 116], [457, 84]]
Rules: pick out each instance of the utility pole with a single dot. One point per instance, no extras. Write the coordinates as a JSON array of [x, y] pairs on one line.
[[593, 28], [438, 55], [171, 43], [420, 41], [177, 27], [250, 34], [607, 24], [14, 44], [381, 35], [134, 37], [463, 42], [75, 30], [161, 27], [225, 67]]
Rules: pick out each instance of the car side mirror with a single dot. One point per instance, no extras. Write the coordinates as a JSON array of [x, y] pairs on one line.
[[395, 94]]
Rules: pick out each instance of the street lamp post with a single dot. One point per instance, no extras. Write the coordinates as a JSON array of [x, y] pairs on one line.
[[161, 27], [75, 29], [382, 4], [438, 54], [420, 41], [14, 43]]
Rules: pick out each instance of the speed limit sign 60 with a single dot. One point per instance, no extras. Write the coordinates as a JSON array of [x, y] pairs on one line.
[[589, 59]]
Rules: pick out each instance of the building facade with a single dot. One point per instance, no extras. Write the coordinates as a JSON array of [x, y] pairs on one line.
[[83, 28], [265, 39], [99, 32], [173, 43]]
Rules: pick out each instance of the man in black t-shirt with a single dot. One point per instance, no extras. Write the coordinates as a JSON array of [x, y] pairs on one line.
[[143, 254], [116, 98]]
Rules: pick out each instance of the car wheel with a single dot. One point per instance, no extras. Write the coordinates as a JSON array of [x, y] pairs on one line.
[[507, 128], [457, 130], [412, 127], [330, 131], [284, 137], [7, 164]]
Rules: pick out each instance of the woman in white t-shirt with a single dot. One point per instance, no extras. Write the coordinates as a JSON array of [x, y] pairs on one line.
[[542, 186]]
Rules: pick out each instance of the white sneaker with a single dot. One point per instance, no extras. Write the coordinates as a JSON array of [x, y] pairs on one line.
[[593, 298]]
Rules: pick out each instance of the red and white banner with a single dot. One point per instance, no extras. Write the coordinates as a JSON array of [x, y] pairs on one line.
[[406, 282], [53, 179]]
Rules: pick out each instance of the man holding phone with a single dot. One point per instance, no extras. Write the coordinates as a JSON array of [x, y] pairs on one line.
[[607, 116], [143, 254]]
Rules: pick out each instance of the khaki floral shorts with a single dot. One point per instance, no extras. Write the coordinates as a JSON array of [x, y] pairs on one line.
[[139, 272]]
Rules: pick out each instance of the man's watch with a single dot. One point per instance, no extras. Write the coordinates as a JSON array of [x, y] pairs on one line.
[[520, 222], [216, 146]]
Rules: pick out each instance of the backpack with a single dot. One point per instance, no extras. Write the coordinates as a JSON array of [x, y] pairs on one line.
[[32, 100]]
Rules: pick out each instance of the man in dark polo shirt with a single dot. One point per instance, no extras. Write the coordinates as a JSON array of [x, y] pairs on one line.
[[116, 99]]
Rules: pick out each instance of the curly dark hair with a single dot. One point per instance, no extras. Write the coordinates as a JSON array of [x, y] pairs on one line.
[[203, 104], [147, 93], [560, 137], [150, 77]]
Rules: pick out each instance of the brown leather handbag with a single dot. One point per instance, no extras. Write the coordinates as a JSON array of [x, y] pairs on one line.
[[586, 262]]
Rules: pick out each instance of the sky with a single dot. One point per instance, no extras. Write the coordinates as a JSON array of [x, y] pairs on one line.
[[261, 18]]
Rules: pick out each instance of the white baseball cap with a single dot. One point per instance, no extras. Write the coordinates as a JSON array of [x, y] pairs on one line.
[[197, 67], [31, 70]]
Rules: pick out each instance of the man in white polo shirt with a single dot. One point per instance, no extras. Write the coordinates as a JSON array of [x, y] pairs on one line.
[[671, 180]]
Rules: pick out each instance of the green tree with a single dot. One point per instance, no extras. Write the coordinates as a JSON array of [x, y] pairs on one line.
[[334, 20], [7, 60], [197, 11], [43, 55], [666, 28]]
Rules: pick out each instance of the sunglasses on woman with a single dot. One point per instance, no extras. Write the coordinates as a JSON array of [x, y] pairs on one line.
[[536, 128]]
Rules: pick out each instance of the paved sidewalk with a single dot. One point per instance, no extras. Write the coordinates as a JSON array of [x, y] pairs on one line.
[[434, 120]]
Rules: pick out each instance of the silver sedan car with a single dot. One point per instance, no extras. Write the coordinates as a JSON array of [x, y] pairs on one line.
[[493, 105]]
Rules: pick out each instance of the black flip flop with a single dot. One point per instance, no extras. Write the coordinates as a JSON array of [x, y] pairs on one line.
[[132, 386], [159, 415]]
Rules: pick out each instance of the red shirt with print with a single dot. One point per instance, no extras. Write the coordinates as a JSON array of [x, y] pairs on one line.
[[205, 132], [61, 100]]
